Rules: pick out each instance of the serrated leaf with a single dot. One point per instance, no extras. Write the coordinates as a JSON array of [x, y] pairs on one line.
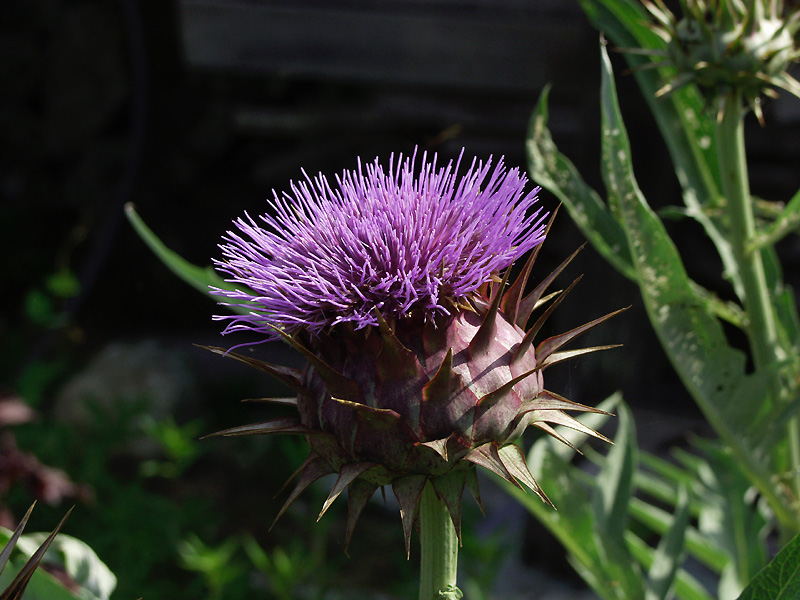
[[780, 579]]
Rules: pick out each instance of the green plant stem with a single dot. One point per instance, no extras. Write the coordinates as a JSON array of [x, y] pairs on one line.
[[761, 327], [761, 330], [439, 556]]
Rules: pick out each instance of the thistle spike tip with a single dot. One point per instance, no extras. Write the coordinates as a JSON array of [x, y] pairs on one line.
[[487, 456], [527, 304], [551, 344], [314, 469], [526, 342], [438, 446], [290, 424], [348, 473], [408, 491], [450, 490], [287, 375], [514, 461], [439, 385], [486, 331], [395, 359], [358, 494], [513, 297]]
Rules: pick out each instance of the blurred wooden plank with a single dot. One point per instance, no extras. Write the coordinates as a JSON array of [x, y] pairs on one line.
[[511, 46]]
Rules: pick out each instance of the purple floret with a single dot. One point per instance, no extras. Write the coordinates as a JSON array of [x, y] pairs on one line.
[[395, 241]]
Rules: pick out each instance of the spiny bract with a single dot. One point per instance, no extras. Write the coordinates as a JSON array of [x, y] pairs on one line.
[[420, 366]]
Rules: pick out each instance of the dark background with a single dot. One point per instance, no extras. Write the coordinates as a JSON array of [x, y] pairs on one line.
[[195, 110]]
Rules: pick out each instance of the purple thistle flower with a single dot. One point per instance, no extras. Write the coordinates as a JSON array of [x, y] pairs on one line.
[[449, 375], [393, 241]]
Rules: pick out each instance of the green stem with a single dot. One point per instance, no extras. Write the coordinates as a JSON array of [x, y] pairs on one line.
[[761, 327], [439, 556]]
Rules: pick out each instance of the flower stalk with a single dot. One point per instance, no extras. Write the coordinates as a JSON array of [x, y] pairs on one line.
[[761, 324], [761, 330], [439, 549]]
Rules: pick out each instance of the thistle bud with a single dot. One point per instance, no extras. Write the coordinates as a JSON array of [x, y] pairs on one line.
[[723, 46]]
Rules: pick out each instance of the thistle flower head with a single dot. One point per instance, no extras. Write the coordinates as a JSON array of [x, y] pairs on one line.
[[421, 364], [746, 46], [391, 241]]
